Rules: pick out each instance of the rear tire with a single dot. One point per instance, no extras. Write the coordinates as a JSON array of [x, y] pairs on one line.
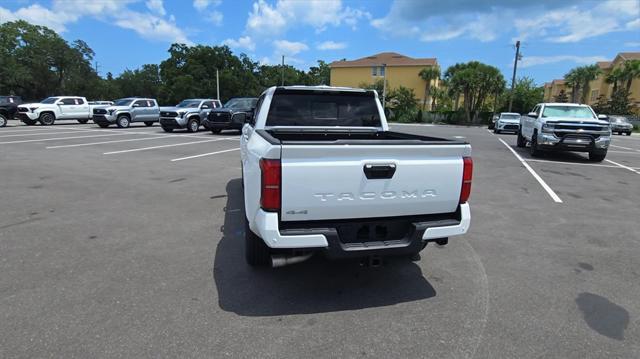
[[83, 121], [628, 133], [148, 123], [3, 121], [123, 121], [47, 119], [597, 156], [193, 125], [535, 151], [167, 129], [521, 142], [29, 122], [215, 131], [103, 125], [257, 253]]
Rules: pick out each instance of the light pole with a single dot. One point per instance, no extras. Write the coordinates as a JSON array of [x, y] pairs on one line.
[[384, 86], [515, 68], [217, 85], [282, 70]]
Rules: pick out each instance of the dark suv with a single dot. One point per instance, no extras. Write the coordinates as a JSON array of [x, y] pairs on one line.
[[232, 115], [8, 108]]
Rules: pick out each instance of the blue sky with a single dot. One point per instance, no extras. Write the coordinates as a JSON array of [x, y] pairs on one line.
[[555, 35]]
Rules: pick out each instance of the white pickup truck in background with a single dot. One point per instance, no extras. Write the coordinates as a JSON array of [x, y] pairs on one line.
[[55, 108], [322, 173]]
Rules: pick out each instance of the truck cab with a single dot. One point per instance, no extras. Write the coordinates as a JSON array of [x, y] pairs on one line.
[[126, 111], [565, 127]]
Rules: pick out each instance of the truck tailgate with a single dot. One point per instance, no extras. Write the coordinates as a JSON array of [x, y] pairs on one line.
[[323, 182]]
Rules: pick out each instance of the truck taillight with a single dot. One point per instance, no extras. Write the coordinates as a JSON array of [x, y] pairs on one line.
[[270, 185], [467, 174]]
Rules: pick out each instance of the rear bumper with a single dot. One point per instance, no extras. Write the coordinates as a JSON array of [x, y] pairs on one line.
[[325, 237], [572, 143]]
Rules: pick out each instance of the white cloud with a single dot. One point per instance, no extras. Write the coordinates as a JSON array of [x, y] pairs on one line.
[[529, 61], [216, 18], [151, 27], [632, 44], [267, 19], [289, 48], [201, 5], [156, 6], [547, 20], [64, 12], [244, 42], [331, 45]]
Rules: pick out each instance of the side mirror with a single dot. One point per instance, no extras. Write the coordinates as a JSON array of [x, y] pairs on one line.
[[603, 117], [205, 107], [532, 114], [136, 105]]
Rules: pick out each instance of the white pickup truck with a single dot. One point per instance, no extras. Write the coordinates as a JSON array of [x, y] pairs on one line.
[[565, 127], [322, 173], [55, 108]]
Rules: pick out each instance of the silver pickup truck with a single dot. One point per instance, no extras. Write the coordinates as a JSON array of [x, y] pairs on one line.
[[127, 110], [187, 114]]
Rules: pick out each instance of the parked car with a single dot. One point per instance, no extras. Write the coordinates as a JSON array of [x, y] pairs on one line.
[[8, 108], [232, 115], [55, 108], [322, 173], [127, 110], [507, 122], [620, 125], [492, 123], [565, 127], [187, 114]]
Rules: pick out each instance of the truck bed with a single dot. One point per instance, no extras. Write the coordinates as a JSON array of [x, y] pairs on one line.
[[346, 136]]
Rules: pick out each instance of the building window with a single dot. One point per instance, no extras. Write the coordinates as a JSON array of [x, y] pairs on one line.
[[377, 71], [594, 95]]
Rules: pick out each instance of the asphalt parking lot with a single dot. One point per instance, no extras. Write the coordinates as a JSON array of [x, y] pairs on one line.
[[129, 243]]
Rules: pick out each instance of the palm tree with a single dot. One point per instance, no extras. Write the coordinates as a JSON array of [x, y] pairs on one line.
[[588, 74], [614, 77], [572, 79], [630, 71], [428, 74]]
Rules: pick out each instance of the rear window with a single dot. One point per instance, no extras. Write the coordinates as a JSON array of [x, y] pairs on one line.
[[311, 108]]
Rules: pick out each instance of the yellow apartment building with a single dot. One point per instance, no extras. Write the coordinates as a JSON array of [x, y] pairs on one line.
[[400, 70], [552, 90]]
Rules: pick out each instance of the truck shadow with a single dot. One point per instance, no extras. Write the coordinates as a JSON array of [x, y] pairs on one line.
[[315, 286]]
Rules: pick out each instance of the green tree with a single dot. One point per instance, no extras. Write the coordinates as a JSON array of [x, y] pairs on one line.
[[588, 74], [573, 80], [377, 85], [428, 74], [601, 105], [630, 71], [404, 104], [319, 75], [620, 103], [614, 77], [475, 81], [526, 95]]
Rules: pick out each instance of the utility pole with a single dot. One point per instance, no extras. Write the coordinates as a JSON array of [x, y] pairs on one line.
[[282, 70], [384, 86], [515, 68], [96, 68], [217, 85]]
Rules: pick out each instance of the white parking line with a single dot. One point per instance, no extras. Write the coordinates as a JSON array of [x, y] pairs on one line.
[[39, 134], [203, 155], [625, 148], [106, 142], [60, 138], [623, 166], [570, 163], [164, 146], [10, 130], [544, 185], [627, 152], [148, 133]]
